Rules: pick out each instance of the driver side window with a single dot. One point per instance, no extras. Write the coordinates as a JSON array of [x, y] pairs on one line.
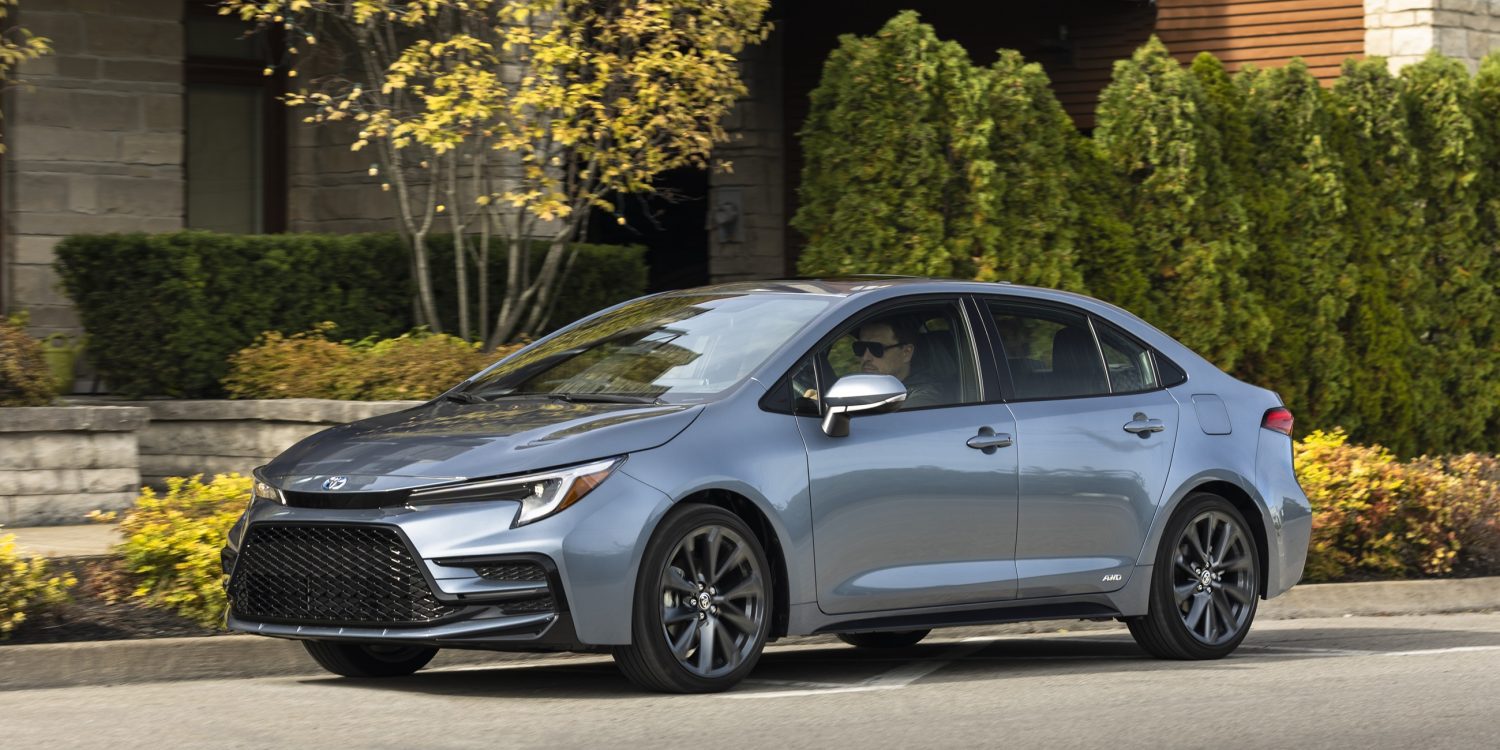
[[926, 347]]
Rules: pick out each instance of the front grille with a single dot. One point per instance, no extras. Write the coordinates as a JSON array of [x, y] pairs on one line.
[[352, 574], [527, 606], [511, 571]]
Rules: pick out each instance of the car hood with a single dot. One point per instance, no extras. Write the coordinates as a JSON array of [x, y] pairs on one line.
[[442, 442]]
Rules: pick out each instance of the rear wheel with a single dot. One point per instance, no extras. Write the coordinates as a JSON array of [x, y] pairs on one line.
[[1204, 586], [702, 604], [369, 660], [888, 639]]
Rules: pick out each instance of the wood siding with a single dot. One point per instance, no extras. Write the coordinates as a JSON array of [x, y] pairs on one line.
[[1267, 33]]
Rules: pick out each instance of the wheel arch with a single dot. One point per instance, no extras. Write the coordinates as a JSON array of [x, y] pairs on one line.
[[1235, 493]]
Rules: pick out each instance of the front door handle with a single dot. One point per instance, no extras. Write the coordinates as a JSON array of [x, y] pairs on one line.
[[988, 440], [1143, 426]]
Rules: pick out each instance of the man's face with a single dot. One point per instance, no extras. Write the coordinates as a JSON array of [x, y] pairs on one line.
[[896, 360]]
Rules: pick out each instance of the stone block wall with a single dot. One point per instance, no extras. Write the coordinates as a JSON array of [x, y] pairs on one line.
[[59, 463], [95, 143], [183, 438], [1404, 31]]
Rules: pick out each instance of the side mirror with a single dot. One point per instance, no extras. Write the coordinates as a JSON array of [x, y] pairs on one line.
[[860, 394]]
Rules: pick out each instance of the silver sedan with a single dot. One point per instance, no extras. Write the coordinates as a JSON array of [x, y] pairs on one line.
[[681, 478]]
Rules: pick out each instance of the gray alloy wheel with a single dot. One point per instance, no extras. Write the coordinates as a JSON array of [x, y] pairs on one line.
[[703, 605], [885, 638], [1205, 583], [369, 660]]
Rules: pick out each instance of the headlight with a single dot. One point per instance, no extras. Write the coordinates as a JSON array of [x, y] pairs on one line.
[[540, 494], [260, 490]]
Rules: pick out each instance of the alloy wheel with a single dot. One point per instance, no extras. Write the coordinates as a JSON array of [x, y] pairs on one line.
[[1213, 578], [713, 601]]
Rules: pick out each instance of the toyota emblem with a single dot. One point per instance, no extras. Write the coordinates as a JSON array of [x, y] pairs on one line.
[[335, 483]]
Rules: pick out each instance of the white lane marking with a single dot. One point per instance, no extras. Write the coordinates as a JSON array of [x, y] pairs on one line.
[[894, 679], [1307, 650], [1453, 650]]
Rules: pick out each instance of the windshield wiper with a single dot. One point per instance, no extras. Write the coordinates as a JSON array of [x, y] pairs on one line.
[[603, 398], [464, 397]]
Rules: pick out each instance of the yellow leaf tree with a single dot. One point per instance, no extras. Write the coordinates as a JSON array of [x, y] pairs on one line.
[[17, 45], [521, 116]]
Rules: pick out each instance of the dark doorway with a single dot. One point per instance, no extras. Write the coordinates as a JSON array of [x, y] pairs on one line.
[[671, 223]]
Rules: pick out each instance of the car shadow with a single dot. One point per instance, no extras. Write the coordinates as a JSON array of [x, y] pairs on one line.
[[838, 667]]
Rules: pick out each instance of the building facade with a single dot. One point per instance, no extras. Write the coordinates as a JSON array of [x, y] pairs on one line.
[[157, 115]]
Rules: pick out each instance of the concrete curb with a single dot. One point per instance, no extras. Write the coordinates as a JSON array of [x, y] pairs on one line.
[[52, 665]]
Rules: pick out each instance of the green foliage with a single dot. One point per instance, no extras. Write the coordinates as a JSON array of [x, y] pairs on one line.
[[25, 379], [1455, 273], [1297, 206], [172, 544], [894, 205], [1158, 132], [165, 312], [25, 587], [1377, 517], [412, 366]]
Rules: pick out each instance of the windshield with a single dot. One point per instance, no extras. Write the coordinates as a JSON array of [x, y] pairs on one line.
[[663, 349]]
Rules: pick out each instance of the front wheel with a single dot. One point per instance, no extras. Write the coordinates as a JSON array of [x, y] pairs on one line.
[[369, 660], [702, 604], [1204, 586]]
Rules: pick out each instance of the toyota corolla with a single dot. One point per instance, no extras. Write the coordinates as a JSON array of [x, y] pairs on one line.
[[684, 477]]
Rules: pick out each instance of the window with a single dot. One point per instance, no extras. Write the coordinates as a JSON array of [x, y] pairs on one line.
[[235, 127], [1051, 352], [927, 347], [1128, 363]]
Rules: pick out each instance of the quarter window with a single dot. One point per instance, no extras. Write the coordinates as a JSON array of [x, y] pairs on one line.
[[1128, 363]]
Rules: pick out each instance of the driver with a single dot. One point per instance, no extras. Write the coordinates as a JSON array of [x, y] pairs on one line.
[[886, 347]]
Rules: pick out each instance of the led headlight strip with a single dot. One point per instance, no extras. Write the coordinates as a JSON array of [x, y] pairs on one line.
[[541, 494]]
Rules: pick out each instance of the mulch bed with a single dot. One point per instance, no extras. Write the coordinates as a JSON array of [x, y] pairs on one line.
[[101, 610]]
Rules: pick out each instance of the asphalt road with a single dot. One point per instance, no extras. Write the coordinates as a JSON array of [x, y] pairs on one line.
[[1377, 682]]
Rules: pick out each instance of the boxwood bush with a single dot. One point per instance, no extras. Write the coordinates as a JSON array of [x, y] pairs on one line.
[[165, 312], [25, 379]]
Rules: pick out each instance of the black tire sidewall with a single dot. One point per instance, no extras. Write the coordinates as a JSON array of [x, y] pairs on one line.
[[646, 625], [1163, 607]]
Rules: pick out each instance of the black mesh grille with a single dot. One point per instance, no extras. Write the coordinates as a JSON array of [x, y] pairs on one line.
[[543, 604], [331, 574], [511, 571]]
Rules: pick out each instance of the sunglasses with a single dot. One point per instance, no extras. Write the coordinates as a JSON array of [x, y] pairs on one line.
[[874, 347]]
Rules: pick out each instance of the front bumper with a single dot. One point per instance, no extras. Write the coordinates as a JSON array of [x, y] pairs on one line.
[[591, 552]]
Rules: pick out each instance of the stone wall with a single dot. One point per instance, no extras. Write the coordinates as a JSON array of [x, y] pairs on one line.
[[1403, 31], [183, 438], [59, 463], [95, 144], [753, 194]]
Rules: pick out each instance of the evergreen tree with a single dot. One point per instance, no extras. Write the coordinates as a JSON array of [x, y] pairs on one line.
[[1026, 218], [1455, 270], [1189, 220], [1382, 223], [1487, 118], [883, 180], [1301, 265]]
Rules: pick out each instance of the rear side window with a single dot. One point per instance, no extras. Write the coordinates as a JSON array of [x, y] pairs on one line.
[[1051, 353], [1128, 363]]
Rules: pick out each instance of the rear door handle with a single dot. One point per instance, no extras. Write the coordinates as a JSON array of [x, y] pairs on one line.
[[1143, 426], [988, 440]]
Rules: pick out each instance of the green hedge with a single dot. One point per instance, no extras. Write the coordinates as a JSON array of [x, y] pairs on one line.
[[165, 312], [1340, 246]]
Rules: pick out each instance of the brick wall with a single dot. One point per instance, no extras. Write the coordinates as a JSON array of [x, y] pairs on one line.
[[1405, 30], [95, 144]]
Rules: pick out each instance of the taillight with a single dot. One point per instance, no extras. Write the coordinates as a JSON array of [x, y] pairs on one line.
[[1278, 420]]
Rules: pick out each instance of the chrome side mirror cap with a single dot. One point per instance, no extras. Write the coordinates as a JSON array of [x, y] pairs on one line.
[[860, 394]]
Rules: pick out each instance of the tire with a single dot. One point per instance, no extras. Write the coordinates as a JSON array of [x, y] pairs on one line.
[[369, 660], [885, 640], [1197, 615], [704, 582]]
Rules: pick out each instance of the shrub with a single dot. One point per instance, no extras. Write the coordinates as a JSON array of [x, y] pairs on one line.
[[415, 365], [1377, 517], [172, 544], [25, 379], [166, 311], [25, 586]]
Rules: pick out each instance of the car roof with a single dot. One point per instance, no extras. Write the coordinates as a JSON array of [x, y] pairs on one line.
[[859, 285]]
